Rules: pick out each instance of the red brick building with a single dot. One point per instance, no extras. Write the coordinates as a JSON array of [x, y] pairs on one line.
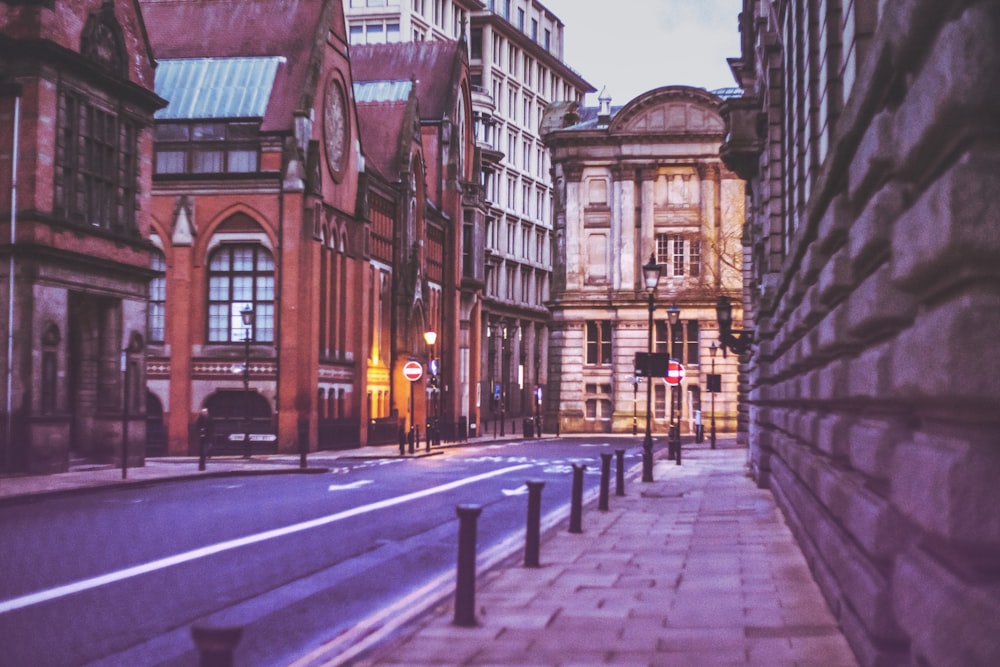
[[256, 204], [414, 101], [76, 107]]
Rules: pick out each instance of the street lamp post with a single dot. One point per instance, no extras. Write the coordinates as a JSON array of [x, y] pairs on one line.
[[430, 337], [247, 315], [674, 434], [713, 349], [651, 277], [635, 397]]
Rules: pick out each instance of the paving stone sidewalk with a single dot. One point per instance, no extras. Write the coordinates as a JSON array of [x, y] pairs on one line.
[[696, 568]]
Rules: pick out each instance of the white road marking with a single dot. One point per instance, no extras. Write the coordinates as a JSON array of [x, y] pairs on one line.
[[519, 491], [38, 597], [353, 485]]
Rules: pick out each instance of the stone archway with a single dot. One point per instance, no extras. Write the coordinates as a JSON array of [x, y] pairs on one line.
[[229, 410]]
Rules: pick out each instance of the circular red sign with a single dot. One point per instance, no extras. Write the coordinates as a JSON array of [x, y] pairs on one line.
[[413, 371], [675, 373]]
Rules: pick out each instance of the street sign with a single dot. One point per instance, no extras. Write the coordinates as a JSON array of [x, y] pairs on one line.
[[254, 437], [714, 383], [675, 373], [413, 371]]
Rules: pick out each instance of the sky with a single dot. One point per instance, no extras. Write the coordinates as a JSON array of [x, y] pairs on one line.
[[645, 44]]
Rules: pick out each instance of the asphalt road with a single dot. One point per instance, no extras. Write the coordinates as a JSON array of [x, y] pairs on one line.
[[118, 576]]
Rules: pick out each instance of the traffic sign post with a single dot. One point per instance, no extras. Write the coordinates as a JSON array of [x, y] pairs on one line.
[[675, 373], [412, 371], [674, 377]]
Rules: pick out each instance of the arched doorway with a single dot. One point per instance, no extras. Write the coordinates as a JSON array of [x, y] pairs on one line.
[[235, 411]]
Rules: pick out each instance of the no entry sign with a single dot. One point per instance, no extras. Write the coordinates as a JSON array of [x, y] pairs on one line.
[[413, 371], [675, 373]]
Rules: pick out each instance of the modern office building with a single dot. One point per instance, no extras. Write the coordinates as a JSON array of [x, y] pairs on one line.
[[639, 183], [76, 109], [516, 70], [868, 135]]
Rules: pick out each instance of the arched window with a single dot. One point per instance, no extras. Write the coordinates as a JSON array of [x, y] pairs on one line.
[[157, 307], [238, 276]]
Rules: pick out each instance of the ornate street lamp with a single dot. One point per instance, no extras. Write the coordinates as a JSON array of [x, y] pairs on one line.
[[651, 278], [713, 349], [674, 436], [247, 315], [430, 337]]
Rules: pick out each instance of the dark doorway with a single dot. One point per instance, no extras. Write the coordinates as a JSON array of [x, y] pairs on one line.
[[229, 410]]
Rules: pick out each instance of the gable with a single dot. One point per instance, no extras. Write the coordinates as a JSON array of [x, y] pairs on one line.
[[671, 110]]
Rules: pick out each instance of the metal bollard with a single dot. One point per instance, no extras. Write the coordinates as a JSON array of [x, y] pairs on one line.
[[602, 502], [216, 645], [465, 578], [620, 472], [576, 501], [532, 537]]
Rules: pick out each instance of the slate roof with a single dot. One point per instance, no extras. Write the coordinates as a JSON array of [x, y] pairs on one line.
[[431, 63], [240, 28]]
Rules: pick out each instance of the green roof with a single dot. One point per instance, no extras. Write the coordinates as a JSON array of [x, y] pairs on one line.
[[199, 88]]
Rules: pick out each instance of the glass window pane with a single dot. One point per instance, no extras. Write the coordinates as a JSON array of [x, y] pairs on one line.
[[208, 132], [218, 322], [170, 162], [265, 288], [242, 161], [264, 323], [218, 288], [220, 261], [243, 258], [243, 288], [264, 260], [171, 132], [207, 162]]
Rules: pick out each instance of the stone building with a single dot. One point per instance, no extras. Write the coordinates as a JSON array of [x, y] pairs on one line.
[[256, 206], [634, 182], [76, 108], [868, 134]]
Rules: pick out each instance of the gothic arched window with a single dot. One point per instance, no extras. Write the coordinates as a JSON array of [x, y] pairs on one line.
[[239, 276]]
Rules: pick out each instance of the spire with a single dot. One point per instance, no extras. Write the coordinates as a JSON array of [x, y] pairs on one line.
[[604, 107]]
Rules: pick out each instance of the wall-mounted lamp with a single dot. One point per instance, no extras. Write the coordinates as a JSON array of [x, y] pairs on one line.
[[738, 341]]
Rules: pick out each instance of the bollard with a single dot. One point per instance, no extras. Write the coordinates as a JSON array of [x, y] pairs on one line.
[[532, 537], [465, 577], [576, 502], [620, 472], [602, 502], [216, 645]]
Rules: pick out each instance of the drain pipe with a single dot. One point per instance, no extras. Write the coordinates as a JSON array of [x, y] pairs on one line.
[[15, 89]]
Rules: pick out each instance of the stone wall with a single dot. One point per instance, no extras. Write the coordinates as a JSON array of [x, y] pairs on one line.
[[875, 388]]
